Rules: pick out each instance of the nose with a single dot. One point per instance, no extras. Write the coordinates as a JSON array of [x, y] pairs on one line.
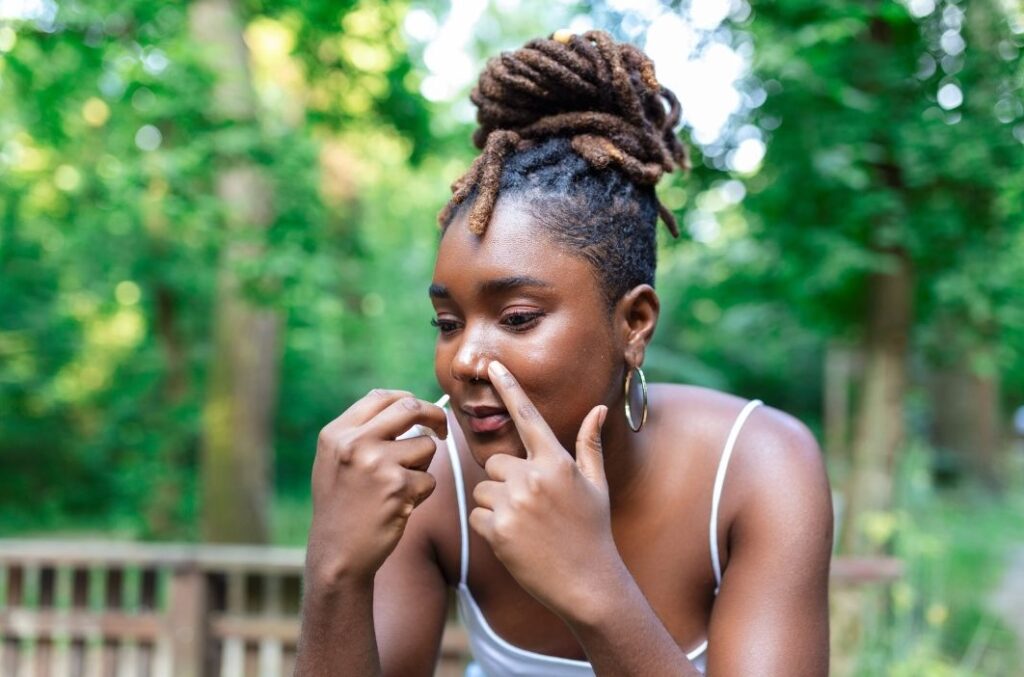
[[471, 358]]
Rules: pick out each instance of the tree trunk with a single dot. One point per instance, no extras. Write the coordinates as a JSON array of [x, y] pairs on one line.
[[840, 361], [879, 429], [243, 377], [966, 418], [164, 501]]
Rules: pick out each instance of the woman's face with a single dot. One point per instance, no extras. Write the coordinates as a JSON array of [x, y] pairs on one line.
[[516, 297]]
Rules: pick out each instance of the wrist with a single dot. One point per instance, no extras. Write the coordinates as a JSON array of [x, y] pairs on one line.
[[603, 597], [336, 575]]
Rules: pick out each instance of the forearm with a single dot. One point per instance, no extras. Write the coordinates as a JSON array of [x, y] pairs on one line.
[[337, 635], [622, 635]]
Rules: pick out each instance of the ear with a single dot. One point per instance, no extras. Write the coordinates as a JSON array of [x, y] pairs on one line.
[[636, 314]]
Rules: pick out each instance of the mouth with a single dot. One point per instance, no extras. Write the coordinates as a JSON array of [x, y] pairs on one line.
[[486, 419]]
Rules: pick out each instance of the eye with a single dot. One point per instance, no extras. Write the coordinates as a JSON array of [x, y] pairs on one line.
[[521, 320], [444, 326]]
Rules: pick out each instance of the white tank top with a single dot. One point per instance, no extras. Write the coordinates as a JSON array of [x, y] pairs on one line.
[[493, 656]]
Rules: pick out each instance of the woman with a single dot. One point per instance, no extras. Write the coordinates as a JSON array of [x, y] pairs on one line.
[[588, 523]]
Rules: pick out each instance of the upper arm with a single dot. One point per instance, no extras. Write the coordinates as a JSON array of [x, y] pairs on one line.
[[771, 614], [410, 594]]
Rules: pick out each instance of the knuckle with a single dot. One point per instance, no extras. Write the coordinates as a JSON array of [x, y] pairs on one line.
[[519, 500], [344, 449], [503, 527], [370, 461], [378, 394], [527, 411], [395, 480], [535, 481], [324, 437], [410, 403], [429, 484], [509, 381]]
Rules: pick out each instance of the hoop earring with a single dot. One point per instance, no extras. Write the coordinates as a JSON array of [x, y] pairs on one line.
[[643, 389]]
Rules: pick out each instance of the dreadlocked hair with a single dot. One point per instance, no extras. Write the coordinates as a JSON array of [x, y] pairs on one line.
[[578, 130]]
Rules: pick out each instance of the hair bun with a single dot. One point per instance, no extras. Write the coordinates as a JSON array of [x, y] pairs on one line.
[[601, 94]]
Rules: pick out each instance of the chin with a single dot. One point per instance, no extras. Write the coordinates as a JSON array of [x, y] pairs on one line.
[[483, 445]]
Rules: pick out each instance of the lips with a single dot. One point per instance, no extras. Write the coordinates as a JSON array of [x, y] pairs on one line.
[[486, 419]]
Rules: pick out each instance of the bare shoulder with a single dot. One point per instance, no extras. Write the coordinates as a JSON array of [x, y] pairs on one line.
[[770, 440], [776, 468]]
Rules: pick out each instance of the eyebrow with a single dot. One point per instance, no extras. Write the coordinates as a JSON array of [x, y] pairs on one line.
[[495, 286]]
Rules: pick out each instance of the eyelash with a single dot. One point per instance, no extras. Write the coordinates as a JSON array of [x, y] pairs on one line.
[[516, 322]]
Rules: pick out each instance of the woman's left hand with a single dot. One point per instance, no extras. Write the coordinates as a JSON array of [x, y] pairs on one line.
[[547, 516]]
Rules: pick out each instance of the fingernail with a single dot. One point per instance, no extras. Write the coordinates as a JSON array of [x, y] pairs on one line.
[[497, 368], [602, 417]]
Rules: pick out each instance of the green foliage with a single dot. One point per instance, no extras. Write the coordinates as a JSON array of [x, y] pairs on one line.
[[110, 232], [937, 618]]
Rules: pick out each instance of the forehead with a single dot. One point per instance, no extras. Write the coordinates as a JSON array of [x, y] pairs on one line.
[[513, 245]]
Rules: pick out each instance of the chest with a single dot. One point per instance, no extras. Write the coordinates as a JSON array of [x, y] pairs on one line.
[[663, 541]]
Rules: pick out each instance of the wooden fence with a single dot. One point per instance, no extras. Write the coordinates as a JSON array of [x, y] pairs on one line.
[[115, 609]]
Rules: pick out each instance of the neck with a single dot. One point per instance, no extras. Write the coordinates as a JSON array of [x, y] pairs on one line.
[[624, 452]]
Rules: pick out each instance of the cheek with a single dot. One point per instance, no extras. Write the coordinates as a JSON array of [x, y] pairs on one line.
[[566, 374], [441, 371]]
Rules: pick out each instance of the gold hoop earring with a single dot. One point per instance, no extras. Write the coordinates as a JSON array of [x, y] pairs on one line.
[[643, 390]]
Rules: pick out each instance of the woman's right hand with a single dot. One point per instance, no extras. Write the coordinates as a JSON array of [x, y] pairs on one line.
[[366, 484]]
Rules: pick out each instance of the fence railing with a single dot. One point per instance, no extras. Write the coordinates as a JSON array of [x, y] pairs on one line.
[[116, 609]]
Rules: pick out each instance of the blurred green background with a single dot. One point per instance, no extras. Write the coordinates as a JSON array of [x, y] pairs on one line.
[[217, 225]]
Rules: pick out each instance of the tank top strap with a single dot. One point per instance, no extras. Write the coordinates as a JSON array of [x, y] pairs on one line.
[[716, 495], [460, 495]]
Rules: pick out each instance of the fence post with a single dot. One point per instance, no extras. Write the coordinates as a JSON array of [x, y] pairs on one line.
[[187, 620]]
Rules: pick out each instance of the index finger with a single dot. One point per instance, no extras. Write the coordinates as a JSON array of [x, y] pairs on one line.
[[533, 429], [371, 404]]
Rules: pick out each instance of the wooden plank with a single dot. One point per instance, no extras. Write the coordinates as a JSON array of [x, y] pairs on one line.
[[88, 553], [93, 656], [62, 588], [163, 658], [232, 657], [31, 623], [254, 628], [127, 659], [30, 574], [108, 666], [144, 652], [186, 621], [26, 658], [41, 664], [271, 649], [861, 570], [60, 655], [233, 654]]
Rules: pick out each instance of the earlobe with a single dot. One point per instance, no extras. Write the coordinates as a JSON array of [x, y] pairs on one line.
[[638, 309]]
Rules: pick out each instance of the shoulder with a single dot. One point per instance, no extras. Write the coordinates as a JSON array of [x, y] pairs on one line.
[[776, 470], [769, 440]]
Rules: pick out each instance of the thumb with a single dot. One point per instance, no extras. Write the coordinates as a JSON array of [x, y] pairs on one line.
[[589, 453]]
